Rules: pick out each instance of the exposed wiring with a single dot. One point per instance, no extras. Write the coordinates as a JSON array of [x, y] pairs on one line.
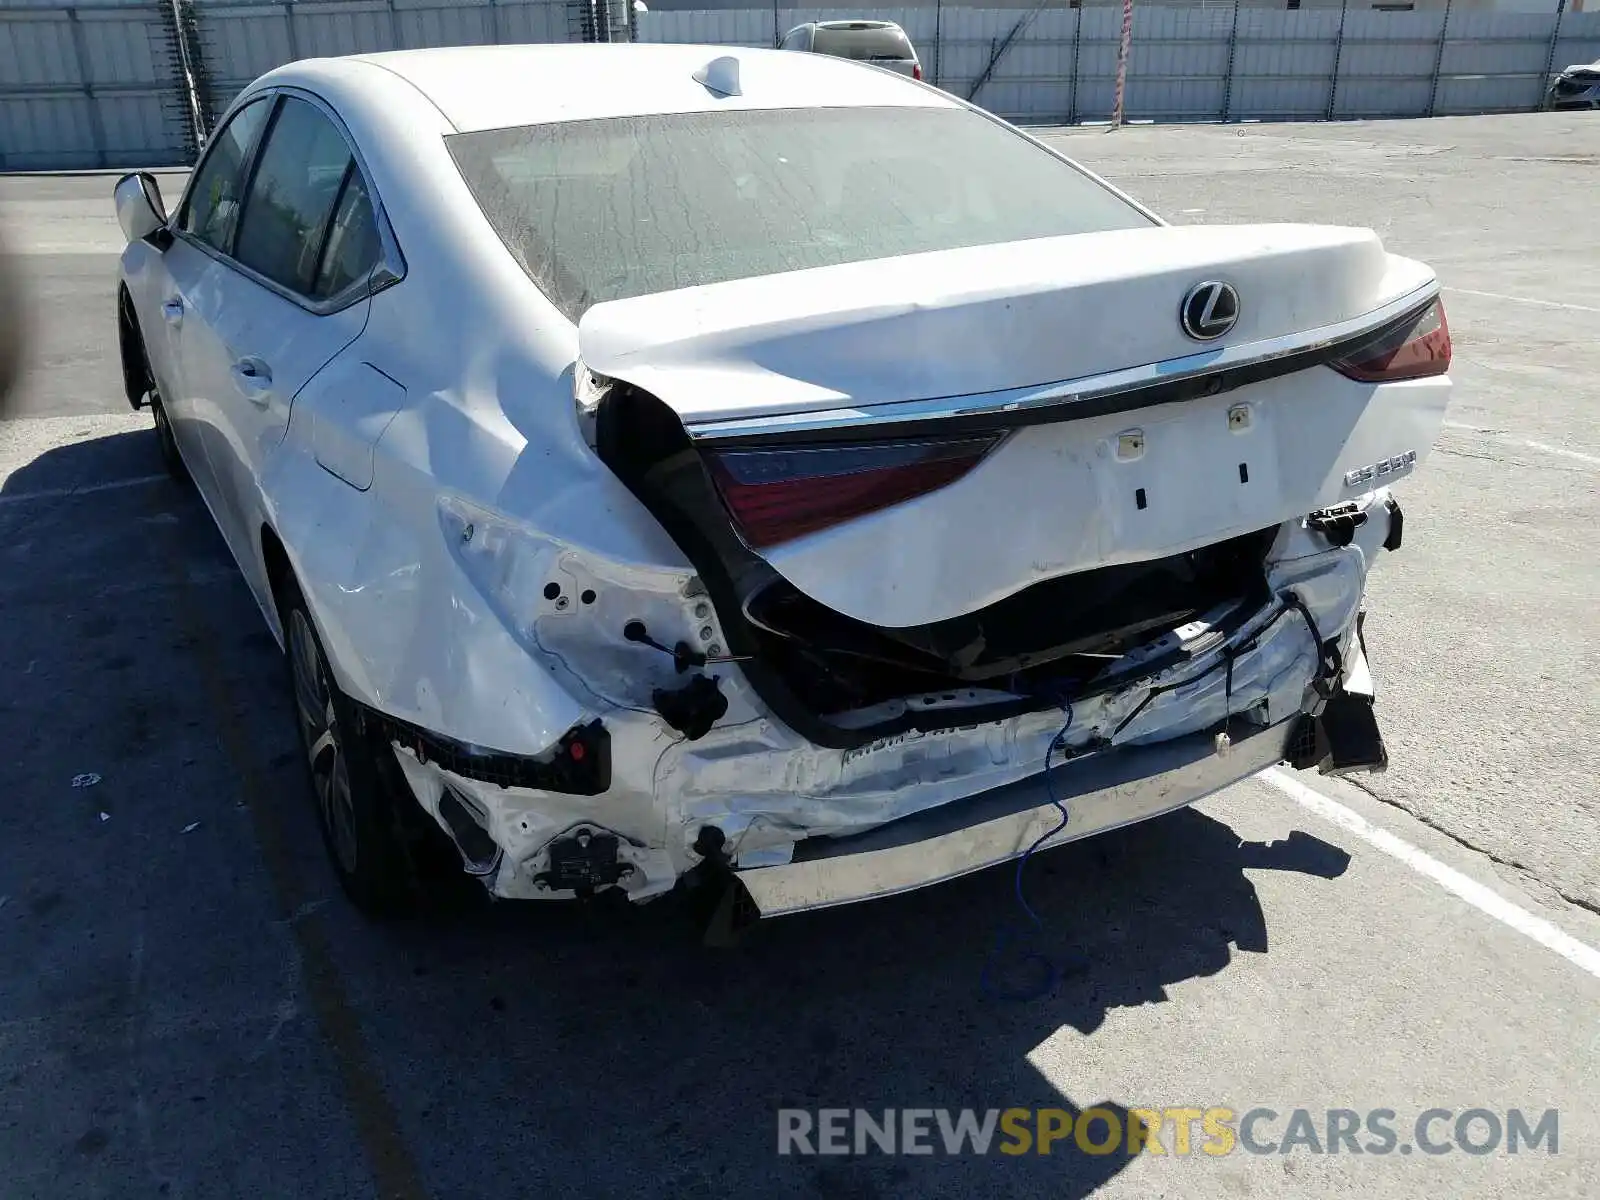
[[1059, 742], [1007, 937], [1050, 972], [1330, 663], [683, 657]]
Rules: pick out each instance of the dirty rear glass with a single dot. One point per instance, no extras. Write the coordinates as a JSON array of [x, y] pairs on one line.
[[864, 44], [609, 209]]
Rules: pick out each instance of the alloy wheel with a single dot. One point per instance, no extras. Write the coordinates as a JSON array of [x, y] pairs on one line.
[[320, 734]]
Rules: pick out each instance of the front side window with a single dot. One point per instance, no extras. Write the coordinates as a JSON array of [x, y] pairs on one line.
[[607, 209], [211, 211], [296, 185]]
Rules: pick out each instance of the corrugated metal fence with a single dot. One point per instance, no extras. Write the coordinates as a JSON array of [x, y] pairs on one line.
[[138, 82], [1206, 64], [239, 41], [88, 86]]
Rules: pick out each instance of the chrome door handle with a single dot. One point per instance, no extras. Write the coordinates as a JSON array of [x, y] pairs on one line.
[[172, 310], [253, 378]]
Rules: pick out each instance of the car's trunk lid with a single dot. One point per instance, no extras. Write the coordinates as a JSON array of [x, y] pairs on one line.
[[981, 319], [894, 348]]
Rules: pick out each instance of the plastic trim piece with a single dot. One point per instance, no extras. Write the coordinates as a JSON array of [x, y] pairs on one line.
[[579, 764]]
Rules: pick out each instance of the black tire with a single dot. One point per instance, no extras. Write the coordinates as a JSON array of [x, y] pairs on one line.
[[140, 381], [390, 857], [13, 325], [171, 459]]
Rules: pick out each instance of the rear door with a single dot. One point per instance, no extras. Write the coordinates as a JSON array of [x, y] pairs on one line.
[[289, 297]]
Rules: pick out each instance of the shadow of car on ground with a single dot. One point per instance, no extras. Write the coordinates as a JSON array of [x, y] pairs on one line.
[[585, 1050]]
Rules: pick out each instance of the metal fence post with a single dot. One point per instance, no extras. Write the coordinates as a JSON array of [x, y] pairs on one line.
[[97, 128], [1550, 54], [938, 40], [1438, 58], [1338, 54], [494, 22], [291, 31], [1124, 49], [1233, 48], [777, 34], [394, 27], [191, 81], [1077, 43]]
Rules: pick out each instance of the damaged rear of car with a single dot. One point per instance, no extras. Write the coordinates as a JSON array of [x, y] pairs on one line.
[[973, 464], [687, 484], [1576, 89]]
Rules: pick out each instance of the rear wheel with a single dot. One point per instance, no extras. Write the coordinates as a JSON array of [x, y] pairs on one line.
[[390, 857]]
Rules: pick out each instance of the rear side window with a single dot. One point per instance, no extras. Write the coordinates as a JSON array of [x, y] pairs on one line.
[[865, 42], [297, 183], [211, 213], [350, 250]]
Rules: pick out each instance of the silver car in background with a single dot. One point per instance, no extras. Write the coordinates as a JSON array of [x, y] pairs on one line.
[[881, 43], [1576, 88]]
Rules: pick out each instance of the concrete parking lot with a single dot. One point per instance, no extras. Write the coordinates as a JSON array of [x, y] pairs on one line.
[[188, 1008]]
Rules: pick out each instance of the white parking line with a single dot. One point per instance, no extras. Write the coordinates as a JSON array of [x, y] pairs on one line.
[[1564, 453], [86, 490], [1474, 893], [1544, 447], [1525, 300]]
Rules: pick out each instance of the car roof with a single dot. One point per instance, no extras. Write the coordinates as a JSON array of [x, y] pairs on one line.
[[496, 87]]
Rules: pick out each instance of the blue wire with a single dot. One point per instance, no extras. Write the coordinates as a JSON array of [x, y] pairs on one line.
[[1051, 972], [1057, 742]]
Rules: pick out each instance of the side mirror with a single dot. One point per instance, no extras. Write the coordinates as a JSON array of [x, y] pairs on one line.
[[139, 209]]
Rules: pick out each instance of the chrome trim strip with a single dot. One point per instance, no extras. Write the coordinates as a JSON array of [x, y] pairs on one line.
[[1072, 391]]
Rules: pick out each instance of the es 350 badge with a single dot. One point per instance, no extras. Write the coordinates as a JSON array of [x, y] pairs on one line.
[[1384, 466]]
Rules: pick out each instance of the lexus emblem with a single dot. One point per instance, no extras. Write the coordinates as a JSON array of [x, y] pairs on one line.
[[1209, 310]]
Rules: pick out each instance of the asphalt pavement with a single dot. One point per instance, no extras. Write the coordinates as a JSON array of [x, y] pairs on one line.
[[188, 1008]]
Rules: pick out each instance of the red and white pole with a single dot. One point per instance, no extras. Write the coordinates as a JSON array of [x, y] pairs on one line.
[[1122, 61]]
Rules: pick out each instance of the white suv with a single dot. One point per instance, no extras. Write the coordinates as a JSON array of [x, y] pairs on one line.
[[881, 43]]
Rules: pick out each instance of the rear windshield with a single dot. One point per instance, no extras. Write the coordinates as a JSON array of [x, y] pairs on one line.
[[609, 209], [867, 43]]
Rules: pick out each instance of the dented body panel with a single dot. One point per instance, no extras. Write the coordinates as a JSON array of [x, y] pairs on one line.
[[770, 791]]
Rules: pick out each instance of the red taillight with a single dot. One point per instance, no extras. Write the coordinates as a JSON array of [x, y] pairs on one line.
[[781, 493], [916, 70], [1414, 350]]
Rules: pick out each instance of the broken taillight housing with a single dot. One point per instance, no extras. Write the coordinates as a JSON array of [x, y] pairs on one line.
[[1413, 349], [775, 494]]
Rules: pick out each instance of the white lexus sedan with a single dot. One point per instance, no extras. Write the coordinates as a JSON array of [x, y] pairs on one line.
[[689, 466]]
